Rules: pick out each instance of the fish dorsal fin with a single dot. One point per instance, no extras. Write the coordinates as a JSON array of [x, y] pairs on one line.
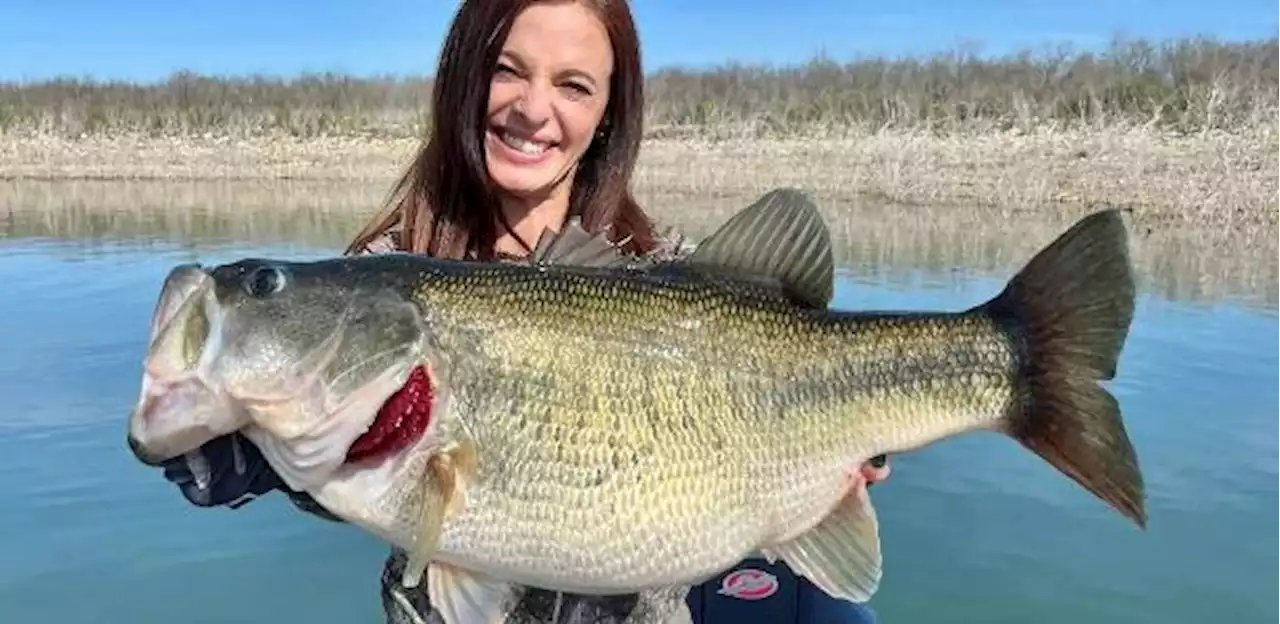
[[782, 238], [574, 246]]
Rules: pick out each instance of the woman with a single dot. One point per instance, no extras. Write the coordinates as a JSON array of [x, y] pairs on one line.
[[537, 118]]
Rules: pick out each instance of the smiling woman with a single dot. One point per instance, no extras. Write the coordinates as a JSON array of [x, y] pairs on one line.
[[545, 105], [536, 120], [536, 117]]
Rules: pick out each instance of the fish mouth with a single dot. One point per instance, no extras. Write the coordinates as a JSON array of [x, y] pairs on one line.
[[183, 405], [155, 436], [400, 421], [177, 410]]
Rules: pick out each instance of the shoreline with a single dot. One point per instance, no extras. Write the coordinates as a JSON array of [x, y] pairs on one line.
[[1215, 178]]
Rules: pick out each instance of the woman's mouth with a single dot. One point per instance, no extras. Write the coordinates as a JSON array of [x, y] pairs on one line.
[[520, 149]]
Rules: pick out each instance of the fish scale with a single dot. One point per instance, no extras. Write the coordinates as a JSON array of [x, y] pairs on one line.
[[585, 430]]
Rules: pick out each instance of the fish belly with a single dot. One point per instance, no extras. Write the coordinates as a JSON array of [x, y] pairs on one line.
[[682, 525]]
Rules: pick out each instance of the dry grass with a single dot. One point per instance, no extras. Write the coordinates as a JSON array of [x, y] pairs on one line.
[[1219, 179], [1180, 130], [1181, 85], [1210, 178]]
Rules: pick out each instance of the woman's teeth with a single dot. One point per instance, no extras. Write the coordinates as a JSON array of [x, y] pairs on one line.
[[524, 146]]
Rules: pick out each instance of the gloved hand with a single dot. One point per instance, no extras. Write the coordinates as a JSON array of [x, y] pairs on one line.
[[232, 473]]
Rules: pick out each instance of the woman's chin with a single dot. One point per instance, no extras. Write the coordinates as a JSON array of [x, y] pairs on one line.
[[522, 181]]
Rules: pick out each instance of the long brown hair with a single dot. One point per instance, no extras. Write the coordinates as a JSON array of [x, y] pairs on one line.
[[444, 203]]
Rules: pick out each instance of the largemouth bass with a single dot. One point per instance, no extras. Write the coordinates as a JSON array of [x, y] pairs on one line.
[[631, 427]]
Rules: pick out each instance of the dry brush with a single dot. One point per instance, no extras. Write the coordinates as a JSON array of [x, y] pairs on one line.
[[1180, 85]]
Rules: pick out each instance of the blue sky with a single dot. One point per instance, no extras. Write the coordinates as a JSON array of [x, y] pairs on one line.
[[147, 39]]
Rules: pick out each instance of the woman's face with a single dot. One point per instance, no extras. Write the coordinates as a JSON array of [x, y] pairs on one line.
[[546, 98]]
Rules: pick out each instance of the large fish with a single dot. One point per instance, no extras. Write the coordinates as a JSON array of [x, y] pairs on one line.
[[632, 427]]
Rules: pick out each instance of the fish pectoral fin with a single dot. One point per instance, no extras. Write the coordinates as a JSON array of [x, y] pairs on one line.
[[445, 484], [426, 541], [464, 597], [841, 555]]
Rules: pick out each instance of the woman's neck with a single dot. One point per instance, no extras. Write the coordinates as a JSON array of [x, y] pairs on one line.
[[529, 218]]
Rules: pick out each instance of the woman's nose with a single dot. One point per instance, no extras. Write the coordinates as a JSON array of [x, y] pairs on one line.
[[534, 103]]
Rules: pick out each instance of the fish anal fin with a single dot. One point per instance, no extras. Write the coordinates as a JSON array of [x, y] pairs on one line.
[[781, 238], [464, 597], [841, 555]]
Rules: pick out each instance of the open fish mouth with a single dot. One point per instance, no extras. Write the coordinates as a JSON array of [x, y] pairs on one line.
[[329, 399], [177, 409], [155, 436]]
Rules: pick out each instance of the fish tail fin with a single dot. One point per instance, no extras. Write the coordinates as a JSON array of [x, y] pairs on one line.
[[1069, 310]]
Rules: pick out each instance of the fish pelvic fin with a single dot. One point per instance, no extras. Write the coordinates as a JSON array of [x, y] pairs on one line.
[[781, 239], [464, 597], [841, 555], [1069, 311], [663, 605]]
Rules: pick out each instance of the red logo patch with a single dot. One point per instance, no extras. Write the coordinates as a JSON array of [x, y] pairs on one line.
[[748, 584]]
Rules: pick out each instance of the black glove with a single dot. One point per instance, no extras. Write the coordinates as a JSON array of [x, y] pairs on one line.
[[238, 473], [227, 485]]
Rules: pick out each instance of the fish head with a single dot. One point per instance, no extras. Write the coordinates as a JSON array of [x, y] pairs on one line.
[[300, 356]]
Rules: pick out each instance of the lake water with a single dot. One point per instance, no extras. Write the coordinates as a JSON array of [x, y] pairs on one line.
[[974, 528]]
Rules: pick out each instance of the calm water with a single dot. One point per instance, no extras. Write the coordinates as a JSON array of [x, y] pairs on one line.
[[974, 529]]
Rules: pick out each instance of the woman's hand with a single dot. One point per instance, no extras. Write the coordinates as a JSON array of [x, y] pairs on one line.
[[226, 471]]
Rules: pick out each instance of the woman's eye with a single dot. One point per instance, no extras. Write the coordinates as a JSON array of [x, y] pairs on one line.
[[577, 90]]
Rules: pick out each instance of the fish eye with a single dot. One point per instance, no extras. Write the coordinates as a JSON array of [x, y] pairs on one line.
[[264, 281]]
